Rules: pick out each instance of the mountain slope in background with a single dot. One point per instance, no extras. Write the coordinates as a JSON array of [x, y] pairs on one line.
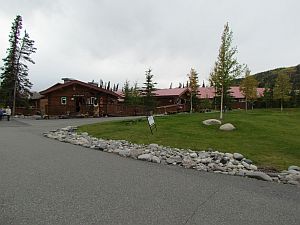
[[268, 78]]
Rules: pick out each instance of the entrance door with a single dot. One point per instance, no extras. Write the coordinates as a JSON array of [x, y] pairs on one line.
[[78, 104]]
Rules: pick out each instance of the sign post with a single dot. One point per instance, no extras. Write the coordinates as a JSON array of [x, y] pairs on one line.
[[151, 123]]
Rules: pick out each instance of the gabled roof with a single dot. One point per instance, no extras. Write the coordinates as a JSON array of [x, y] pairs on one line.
[[71, 82], [209, 92], [170, 92], [206, 92], [236, 93]]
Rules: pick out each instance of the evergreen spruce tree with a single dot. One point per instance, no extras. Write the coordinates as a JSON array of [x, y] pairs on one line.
[[126, 93], [15, 84], [226, 68], [149, 88]]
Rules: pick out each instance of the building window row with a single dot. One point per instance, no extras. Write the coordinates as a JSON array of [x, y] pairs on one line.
[[90, 101]]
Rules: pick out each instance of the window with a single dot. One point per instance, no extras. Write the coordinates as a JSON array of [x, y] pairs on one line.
[[63, 100], [92, 100]]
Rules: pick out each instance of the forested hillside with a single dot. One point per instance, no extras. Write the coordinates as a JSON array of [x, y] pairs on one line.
[[267, 78]]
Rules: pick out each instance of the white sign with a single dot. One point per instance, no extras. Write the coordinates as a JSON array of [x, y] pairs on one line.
[[151, 121]]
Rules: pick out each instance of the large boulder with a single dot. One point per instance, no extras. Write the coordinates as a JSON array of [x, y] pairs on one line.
[[211, 122], [227, 127]]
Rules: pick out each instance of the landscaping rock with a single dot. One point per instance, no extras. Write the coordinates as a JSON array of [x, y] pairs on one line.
[[134, 153], [293, 182], [124, 153], [193, 155], [187, 162], [155, 159], [210, 160], [170, 161], [227, 127], [153, 146], [258, 175], [248, 161], [238, 156], [145, 157], [253, 167], [211, 122], [294, 168]]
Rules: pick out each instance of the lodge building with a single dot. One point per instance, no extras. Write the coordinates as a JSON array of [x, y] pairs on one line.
[[74, 97]]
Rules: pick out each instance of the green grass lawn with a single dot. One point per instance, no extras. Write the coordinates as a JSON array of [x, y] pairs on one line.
[[268, 137]]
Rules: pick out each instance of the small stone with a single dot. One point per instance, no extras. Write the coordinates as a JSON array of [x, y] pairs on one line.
[[145, 157], [187, 162], [219, 168], [170, 161], [124, 153], [294, 168], [193, 155], [116, 151], [203, 155], [253, 167], [246, 165], [293, 172], [201, 167], [258, 175], [224, 160], [248, 161], [155, 159], [241, 173], [238, 156], [234, 162], [229, 155], [153, 146], [293, 182], [134, 153], [211, 165]]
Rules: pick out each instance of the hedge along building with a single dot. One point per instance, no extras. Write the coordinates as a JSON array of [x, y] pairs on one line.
[[74, 97]]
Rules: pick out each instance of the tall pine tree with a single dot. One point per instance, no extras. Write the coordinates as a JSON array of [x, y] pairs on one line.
[[15, 84], [149, 88]]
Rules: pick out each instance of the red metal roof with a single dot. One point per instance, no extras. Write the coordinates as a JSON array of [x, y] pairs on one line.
[[206, 92], [59, 86], [170, 92], [209, 92]]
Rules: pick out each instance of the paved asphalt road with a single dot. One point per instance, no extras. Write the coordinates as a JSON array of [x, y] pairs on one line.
[[43, 181]]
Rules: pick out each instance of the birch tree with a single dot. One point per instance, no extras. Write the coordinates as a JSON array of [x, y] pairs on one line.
[[226, 67]]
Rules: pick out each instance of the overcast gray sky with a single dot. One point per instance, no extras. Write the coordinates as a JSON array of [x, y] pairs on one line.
[[117, 40]]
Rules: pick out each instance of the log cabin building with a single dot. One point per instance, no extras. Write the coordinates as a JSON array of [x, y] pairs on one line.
[[76, 98]]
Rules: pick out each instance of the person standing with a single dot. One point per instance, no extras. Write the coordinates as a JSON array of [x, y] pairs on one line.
[[8, 113]]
